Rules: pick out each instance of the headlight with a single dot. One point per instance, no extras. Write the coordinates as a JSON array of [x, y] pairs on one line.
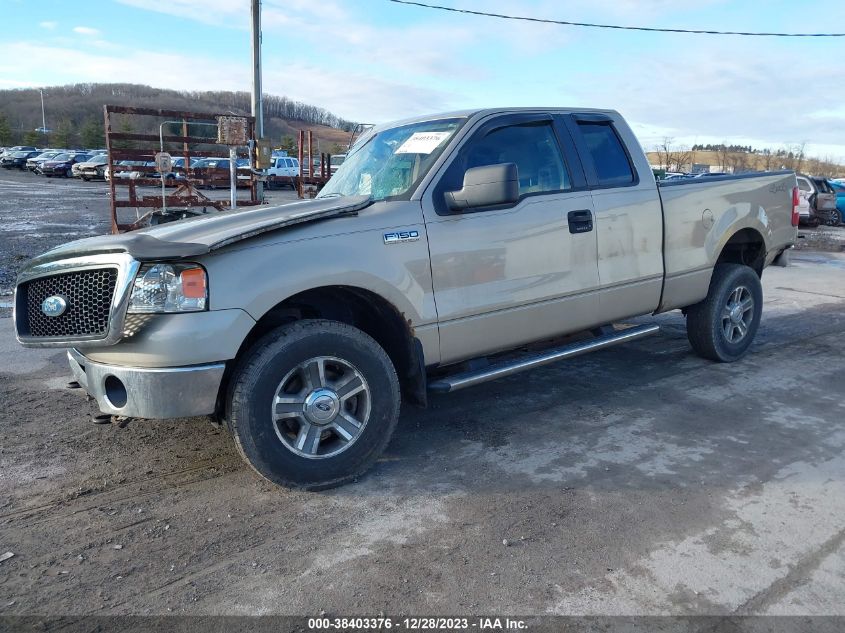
[[169, 288]]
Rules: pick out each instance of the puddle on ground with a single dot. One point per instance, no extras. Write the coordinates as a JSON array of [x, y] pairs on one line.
[[819, 259]]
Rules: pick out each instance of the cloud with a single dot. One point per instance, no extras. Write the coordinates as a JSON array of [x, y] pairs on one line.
[[332, 54], [355, 96], [215, 12], [740, 91], [49, 25], [86, 30]]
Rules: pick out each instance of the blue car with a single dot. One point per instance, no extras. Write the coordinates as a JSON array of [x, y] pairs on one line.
[[839, 188]]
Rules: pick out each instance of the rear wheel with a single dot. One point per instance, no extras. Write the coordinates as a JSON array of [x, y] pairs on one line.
[[722, 327], [313, 404]]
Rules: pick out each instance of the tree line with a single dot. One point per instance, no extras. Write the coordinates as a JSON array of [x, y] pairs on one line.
[[738, 159], [75, 112]]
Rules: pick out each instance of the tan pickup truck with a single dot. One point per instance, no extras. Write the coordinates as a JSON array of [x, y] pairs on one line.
[[441, 247]]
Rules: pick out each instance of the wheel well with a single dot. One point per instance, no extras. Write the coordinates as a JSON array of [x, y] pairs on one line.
[[745, 247], [362, 309]]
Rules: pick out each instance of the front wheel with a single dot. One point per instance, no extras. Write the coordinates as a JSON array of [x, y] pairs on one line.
[[722, 327], [313, 404]]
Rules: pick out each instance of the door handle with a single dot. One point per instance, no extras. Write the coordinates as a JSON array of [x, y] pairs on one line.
[[580, 221]]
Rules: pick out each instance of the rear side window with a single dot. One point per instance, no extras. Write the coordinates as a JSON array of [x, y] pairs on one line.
[[803, 185], [611, 162]]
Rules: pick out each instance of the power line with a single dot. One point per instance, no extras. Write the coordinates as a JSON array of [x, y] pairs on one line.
[[610, 26]]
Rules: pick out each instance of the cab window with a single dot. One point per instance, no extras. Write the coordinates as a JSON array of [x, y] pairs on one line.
[[532, 148]]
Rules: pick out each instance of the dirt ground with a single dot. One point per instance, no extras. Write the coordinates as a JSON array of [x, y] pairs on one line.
[[638, 480]]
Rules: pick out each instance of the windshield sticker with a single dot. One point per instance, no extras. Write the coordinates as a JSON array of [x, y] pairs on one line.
[[422, 142]]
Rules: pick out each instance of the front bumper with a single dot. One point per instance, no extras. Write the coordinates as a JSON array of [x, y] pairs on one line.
[[155, 393]]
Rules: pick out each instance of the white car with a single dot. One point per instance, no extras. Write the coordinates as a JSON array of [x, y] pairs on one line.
[[336, 162], [123, 170], [284, 171], [805, 190]]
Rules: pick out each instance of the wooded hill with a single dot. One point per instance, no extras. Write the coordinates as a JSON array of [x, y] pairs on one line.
[[75, 113]]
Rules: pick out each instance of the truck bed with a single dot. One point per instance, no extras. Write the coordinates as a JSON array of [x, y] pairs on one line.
[[700, 215]]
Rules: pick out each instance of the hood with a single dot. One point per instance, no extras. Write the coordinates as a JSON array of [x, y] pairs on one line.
[[200, 235]]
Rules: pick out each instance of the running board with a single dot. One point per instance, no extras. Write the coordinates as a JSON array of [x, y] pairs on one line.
[[500, 370]]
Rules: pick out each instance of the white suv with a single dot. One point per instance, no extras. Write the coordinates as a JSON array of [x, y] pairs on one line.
[[284, 171]]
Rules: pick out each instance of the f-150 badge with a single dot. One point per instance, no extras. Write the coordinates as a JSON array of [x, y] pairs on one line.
[[398, 237]]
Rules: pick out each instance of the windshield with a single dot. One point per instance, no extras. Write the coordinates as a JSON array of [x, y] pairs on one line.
[[61, 157], [46, 155], [390, 163], [21, 154]]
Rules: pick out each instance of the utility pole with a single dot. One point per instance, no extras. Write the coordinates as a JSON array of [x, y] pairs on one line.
[[43, 116], [43, 129], [257, 108]]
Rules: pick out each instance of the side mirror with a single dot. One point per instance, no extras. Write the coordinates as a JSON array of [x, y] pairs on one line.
[[486, 186]]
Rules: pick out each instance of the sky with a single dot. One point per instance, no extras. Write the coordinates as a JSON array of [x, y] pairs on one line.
[[373, 61]]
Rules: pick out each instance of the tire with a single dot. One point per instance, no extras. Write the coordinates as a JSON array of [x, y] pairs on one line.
[[837, 216], [313, 446], [68, 173], [715, 330]]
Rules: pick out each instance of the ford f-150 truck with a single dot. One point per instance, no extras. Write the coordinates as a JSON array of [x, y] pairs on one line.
[[441, 247]]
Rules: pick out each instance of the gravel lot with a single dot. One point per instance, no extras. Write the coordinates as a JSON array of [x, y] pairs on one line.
[[639, 480]]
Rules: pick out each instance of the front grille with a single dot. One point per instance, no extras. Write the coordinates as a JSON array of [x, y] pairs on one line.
[[88, 294]]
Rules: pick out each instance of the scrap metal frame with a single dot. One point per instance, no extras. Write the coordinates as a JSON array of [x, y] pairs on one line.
[[186, 194]]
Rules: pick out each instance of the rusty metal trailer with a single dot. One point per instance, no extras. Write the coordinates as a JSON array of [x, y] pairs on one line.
[[185, 200]]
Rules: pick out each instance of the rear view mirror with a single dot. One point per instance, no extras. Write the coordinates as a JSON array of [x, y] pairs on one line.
[[486, 186]]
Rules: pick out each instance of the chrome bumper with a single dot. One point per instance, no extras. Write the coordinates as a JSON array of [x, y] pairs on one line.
[[156, 393]]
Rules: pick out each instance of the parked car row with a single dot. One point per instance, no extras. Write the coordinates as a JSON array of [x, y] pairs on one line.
[[681, 176], [211, 172], [821, 201], [48, 162]]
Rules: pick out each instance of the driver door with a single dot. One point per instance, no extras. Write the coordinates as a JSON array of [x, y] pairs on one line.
[[511, 274]]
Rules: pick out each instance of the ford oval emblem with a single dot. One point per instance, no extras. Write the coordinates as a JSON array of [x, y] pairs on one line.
[[54, 306]]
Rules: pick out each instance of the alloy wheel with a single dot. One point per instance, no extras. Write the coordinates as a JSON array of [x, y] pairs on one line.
[[321, 407], [737, 314]]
